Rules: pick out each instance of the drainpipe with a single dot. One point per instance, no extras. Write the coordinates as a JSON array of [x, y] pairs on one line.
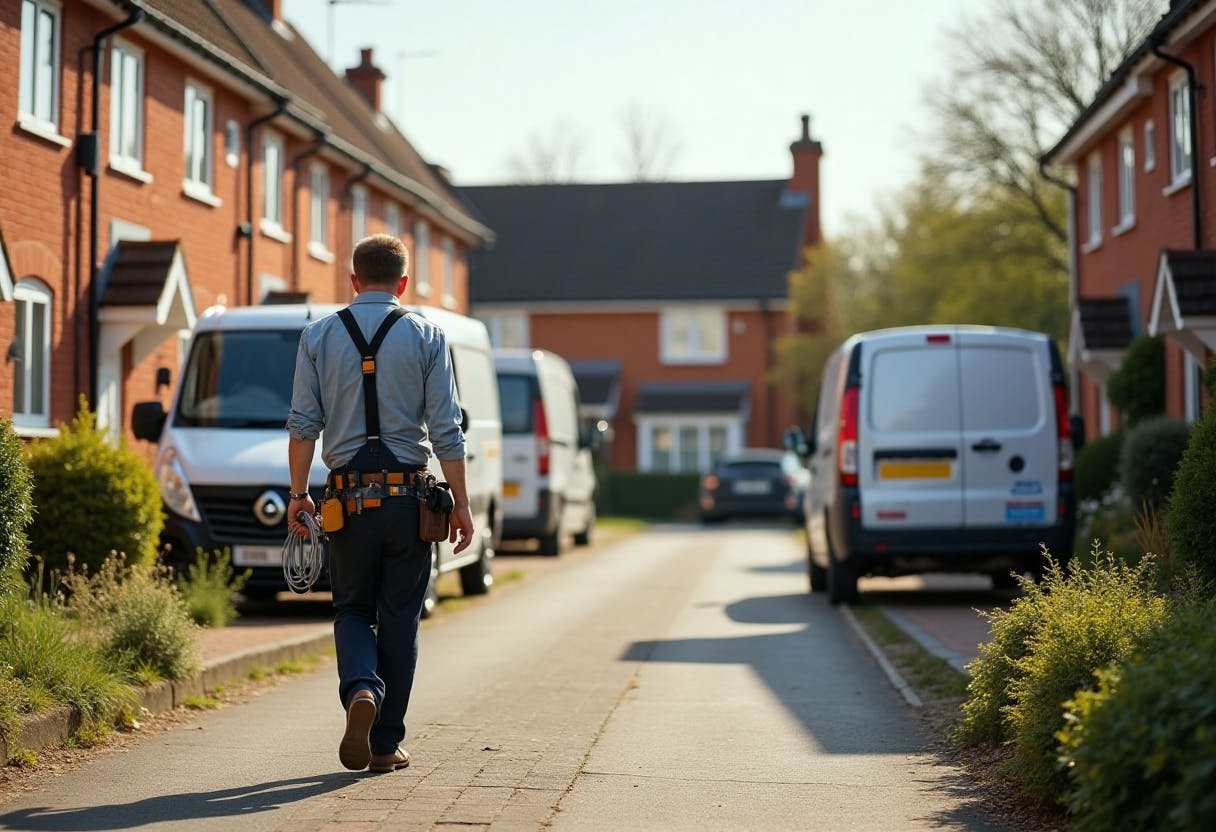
[[1193, 96], [248, 229], [1074, 287], [318, 143], [89, 151]]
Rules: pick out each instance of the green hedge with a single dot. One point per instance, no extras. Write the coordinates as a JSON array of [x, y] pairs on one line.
[[653, 496], [1191, 522], [1151, 453], [1098, 467], [16, 507], [1137, 388]]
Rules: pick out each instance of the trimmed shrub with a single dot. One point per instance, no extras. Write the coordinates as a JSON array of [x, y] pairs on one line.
[[1137, 388], [1151, 453], [655, 496], [16, 507], [210, 588], [1098, 467], [1140, 750], [92, 498], [1191, 520]]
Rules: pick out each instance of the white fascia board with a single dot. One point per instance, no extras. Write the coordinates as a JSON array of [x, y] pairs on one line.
[[1137, 87], [608, 307], [1165, 316]]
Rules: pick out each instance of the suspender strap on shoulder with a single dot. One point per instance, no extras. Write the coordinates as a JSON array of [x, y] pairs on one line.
[[367, 353]]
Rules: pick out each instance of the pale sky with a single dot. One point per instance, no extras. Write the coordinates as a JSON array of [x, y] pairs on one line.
[[470, 81]]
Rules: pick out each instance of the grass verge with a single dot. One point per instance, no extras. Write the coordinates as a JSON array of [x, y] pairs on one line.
[[932, 677]]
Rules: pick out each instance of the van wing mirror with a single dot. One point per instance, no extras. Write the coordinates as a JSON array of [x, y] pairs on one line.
[[148, 420], [797, 442], [1076, 429], [464, 420]]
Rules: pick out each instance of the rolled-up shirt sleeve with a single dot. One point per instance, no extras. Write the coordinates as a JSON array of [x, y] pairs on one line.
[[307, 416], [442, 405]]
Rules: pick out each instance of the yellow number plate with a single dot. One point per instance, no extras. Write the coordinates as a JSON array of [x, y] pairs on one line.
[[510, 489], [914, 470]]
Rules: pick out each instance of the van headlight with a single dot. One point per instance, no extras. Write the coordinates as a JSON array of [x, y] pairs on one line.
[[174, 487]]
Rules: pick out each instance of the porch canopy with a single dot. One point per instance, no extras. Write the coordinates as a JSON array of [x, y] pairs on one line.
[[687, 397], [599, 388], [1184, 301], [147, 298], [1100, 335]]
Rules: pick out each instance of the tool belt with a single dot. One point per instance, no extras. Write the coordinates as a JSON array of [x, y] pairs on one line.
[[357, 490]]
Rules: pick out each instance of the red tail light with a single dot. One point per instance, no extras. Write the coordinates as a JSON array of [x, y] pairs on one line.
[[1063, 433], [710, 482], [542, 437], [846, 439]]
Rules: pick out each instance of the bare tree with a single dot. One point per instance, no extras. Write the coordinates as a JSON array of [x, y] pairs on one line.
[[1022, 74], [548, 160], [649, 148]]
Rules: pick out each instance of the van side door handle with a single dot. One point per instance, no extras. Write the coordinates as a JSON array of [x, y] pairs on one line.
[[986, 446]]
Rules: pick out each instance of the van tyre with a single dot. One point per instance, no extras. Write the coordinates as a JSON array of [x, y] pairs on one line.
[[583, 538], [551, 544], [818, 575], [478, 576], [430, 601], [842, 582]]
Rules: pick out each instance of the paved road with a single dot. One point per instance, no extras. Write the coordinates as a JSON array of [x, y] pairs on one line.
[[680, 680]]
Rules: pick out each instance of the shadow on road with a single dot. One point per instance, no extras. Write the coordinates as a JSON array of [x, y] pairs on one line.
[[222, 803]]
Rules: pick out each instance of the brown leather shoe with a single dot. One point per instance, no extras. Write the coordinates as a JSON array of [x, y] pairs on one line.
[[354, 750], [384, 763]]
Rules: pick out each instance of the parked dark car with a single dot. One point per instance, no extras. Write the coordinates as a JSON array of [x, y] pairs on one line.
[[754, 482]]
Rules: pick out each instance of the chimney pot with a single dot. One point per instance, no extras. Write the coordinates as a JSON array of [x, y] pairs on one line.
[[365, 57], [806, 127]]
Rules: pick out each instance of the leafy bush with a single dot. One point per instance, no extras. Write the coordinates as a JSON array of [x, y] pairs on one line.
[[1137, 388], [637, 494], [16, 502], [1140, 750], [210, 588], [137, 617], [93, 498], [1098, 467], [1191, 518], [1087, 619], [1110, 520], [1151, 453]]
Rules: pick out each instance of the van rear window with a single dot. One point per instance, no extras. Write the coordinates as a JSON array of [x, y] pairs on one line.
[[515, 397], [1002, 387], [914, 390]]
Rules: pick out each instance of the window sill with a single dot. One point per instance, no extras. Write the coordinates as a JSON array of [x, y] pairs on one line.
[[318, 251], [200, 193], [1091, 246], [130, 169], [692, 360], [1123, 227], [274, 231], [1176, 186], [35, 431], [43, 130]]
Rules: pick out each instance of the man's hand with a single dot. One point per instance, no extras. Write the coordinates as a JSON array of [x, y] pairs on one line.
[[460, 528], [304, 504]]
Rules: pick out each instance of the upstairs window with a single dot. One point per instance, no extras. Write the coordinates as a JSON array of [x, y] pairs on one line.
[[1150, 146], [1127, 179], [318, 209], [392, 220], [358, 214], [200, 161], [422, 257], [693, 335], [1180, 131], [272, 180], [126, 108], [449, 272], [1093, 188], [39, 83]]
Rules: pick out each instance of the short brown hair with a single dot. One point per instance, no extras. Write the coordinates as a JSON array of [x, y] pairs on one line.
[[380, 260]]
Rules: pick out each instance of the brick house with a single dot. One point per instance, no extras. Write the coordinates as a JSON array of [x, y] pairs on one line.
[[1144, 215], [225, 161], [666, 297]]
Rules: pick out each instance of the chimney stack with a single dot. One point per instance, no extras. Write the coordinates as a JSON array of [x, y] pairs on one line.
[[807, 152], [366, 78]]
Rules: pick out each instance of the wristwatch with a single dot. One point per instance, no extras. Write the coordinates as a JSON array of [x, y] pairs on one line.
[[296, 496]]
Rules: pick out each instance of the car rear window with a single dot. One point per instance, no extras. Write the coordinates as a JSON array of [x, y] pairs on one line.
[[1002, 388], [515, 396], [753, 468], [914, 390]]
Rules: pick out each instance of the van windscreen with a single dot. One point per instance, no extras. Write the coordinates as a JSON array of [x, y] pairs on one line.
[[515, 396], [239, 379]]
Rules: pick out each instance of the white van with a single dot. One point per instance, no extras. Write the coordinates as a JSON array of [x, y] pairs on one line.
[[549, 486], [938, 448], [222, 460]]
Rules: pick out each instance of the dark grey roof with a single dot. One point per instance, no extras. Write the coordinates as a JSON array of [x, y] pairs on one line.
[[1106, 323], [598, 381], [1194, 276], [138, 271], [636, 241], [692, 397]]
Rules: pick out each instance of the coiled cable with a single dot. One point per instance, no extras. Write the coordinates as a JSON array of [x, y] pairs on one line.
[[303, 556]]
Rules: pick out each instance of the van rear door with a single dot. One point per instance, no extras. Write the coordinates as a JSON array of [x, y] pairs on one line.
[[518, 396], [909, 448], [1010, 448]]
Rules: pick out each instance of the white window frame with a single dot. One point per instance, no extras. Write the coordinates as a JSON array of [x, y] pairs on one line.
[[232, 143], [1193, 388], [1126, 168], [120, 100], [669, 350], [318, 212], [1150, 146], [503, 323], [1093, 201], [449, 272], [392, 219], [29, 102], [273, 203], [422, 260], [34, 293], [646, 423], [199, 184], [1180, 145], [359, 201]]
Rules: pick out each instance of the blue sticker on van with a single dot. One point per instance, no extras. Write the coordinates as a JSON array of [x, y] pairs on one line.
[[1025, 512], [1025, 488]]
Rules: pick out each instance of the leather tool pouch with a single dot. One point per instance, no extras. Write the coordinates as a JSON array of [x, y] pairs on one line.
[[333, 517], [435, 504]]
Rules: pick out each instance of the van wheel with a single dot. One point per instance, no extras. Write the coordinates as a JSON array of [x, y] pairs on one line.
[[583, 538], [551, 544], [818, 575], [842, 582], [478, 576], [431, 599]]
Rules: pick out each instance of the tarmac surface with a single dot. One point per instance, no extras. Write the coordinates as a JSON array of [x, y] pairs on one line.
[[681, 679]]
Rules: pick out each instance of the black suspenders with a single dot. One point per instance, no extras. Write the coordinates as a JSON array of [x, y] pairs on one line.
[[371, 404]]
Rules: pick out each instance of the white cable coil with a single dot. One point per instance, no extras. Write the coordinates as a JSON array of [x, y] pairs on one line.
[[303, 556]]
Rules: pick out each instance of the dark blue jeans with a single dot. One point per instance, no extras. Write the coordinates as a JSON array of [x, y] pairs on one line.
[[378, 570]]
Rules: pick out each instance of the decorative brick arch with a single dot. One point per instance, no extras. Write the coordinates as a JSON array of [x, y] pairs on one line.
[[33, 259]]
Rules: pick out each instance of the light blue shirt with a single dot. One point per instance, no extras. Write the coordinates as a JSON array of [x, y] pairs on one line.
[[414, 383]]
